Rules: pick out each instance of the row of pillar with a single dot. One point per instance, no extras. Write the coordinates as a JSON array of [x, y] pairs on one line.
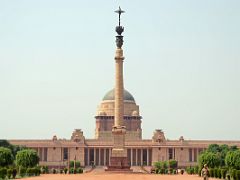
[[107, 154]]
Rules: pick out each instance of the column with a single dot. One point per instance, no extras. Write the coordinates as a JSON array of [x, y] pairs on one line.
[[192, 154], [141, 157], [99, 157], [110, 154], [68, 160], [136, 157], [104, 163], [131, 156], [118, 113], [88, 163], [147, 157], [94, 156]]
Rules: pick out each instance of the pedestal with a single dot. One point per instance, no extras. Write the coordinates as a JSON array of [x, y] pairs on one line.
[[118, 159]]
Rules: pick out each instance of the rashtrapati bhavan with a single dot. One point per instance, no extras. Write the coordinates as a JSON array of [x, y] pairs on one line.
[[118, 142]]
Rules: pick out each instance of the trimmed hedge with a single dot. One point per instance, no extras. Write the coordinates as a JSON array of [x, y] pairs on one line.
[[3, 173]]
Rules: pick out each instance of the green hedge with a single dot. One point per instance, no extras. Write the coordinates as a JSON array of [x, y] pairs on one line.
[[223, 173], [3, 173]]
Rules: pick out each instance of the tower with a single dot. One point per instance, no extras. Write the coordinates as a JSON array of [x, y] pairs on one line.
[[118, 159]]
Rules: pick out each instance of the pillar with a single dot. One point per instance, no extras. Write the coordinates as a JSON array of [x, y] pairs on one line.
[[131, 156], [118, 113], [110, 154], [141, 157], [88, 162], [104, 163], [136, 157], [94, 156], [99, 156], [147, 156]]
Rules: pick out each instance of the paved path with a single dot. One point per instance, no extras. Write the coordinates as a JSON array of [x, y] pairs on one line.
[[114, 176]]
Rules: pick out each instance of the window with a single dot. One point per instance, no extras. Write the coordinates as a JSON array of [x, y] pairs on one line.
[[195, 155], [190, 154], [65, 153], [170, 153], [45, 154]]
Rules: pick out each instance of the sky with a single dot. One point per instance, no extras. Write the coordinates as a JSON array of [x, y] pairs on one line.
[[182, 65]]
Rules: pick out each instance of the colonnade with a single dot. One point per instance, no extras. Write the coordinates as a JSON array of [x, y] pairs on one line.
[[101, 156]]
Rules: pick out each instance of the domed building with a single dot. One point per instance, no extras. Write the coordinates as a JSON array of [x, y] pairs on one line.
[[105, 117], [118, 135]]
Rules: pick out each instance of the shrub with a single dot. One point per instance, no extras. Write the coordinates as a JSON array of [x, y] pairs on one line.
[[44, 170], [37, 171], [170, 170], [162, 171], [211, 172], [22, 171], [219, 175], [232, 159], [27, 158], [196, 170], [65, 170], [238, 174], [3, 172], [6, 157], [29, 172], [209, 158], [190, 170], [215, 174], [158, 165], [78, 164], [71, 170], [182, 171], [172, 164], [9, 173], [166, 171], [79, 170], [54, 171], [33, 171], [223, 173], [233, 174], [71, 164], [61, 171], [199, 172]]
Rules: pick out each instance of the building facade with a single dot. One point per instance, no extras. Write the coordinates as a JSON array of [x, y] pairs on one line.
[[118, 131], [58, 152]]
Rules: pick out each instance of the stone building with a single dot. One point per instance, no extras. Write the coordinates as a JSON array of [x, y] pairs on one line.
[[136, 150], [57, 152]]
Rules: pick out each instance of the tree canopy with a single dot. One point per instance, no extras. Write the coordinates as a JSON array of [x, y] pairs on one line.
[[27, 158], [6, 157]]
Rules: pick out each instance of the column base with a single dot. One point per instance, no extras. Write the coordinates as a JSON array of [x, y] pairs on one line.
[[118, 164]]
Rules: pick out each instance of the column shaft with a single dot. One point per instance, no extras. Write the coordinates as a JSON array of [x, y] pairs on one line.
[[147, 157], [119, 89], [94, 156], [131, 156]]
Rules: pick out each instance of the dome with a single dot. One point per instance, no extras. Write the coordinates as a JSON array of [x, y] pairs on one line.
[[111, 96], [135, 113]]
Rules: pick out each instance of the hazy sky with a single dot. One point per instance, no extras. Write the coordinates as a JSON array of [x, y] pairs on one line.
[[182, 65]]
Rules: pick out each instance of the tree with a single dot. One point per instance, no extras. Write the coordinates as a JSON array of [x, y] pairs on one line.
[[14, 148], [27, 158], [214, 148], [6, 157], [209, 158], [233, 148], [233, 159]]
